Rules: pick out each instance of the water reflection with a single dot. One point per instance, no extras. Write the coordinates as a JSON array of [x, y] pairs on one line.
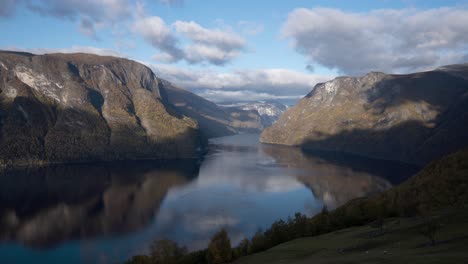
[[46, 206], [336, 178], [104, 213]]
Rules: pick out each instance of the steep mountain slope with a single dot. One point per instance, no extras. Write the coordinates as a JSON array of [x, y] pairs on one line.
[[213, 120], [269, 111], [413, 118], [81, 107]]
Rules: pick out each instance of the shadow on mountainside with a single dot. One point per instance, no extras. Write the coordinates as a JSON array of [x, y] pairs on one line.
[[32, 132], [414, 141]]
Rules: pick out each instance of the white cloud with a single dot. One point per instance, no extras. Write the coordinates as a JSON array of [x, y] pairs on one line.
[[215, 37], [215, 46], [250, 85], [385, 40], [211, 46], [172, 2], [203, 45], [220, 96], [73, 49], [197, 53], [155, 31]]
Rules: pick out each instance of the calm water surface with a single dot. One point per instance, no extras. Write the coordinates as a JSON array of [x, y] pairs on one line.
[[105, 213]]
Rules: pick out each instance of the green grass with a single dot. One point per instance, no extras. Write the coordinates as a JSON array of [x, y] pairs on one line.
[[401, 242]]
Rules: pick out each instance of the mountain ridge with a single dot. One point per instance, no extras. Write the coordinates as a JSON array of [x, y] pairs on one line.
[[60, 108], [413, 118]]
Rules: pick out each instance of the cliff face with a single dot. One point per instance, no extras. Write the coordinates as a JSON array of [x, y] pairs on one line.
[[213, 120], [81, 107], [413, 118]]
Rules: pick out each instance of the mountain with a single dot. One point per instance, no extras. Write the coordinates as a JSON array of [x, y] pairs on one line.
[[269, 111], [82, 107], [413, 118], [213, 120]]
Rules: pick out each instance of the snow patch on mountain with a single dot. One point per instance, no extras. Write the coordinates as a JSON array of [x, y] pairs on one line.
[[268, 111]]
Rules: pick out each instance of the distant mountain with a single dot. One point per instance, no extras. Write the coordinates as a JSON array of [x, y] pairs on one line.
[[82, 107], [213, 120], [413, 118], [269, 111]]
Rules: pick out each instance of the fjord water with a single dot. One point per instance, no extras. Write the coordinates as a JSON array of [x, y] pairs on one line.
[[105, 213]]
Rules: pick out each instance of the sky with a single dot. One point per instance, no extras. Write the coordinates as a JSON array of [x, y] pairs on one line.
[[246, 50]]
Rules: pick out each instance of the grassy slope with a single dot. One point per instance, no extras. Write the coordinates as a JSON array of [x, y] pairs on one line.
[[441, 185], [401, 243]]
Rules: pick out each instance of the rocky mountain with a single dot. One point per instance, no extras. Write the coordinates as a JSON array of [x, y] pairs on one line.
[[269, 111], [413, 118], [213, 120], [82, 107]]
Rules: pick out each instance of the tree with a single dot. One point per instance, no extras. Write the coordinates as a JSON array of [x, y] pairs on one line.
[[219, 249], [429, 228], [140, 259], [242, 249], [258, 242], [166, 252]]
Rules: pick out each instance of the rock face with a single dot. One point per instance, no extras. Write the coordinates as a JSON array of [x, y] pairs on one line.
[[81, 107], [413, 118], [213, 120]]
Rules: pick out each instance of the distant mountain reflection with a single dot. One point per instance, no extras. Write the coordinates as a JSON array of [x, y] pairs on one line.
[[337, 178], [45, 206]]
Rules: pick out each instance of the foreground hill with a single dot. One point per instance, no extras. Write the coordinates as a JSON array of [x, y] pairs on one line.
[[413, 118], [81, 107], [401, 243], [438, 192], [213, 120]]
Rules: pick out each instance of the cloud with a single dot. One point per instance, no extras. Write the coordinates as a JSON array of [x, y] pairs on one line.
[[216, 37], [385, 40], [215, 46], [242, 85], [155, 31], [201, 45], [8, 7], [95, 10], [73, 49], [198, 53], [92, 14], [212, 46], [172, 2], [87, 28]]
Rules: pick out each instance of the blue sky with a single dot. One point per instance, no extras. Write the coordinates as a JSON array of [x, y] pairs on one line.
[[246, 50]]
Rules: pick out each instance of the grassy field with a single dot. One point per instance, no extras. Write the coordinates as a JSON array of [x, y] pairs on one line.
[[400, 242]]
